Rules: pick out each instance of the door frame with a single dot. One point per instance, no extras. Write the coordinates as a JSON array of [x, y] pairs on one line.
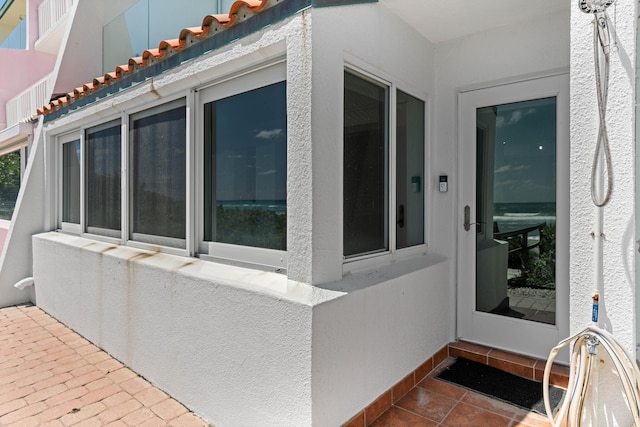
[[511, 334]]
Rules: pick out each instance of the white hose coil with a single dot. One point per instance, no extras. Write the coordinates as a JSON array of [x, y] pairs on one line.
[[584, 345]]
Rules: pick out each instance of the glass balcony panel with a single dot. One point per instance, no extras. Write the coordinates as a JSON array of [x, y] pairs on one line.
[[147, 23]]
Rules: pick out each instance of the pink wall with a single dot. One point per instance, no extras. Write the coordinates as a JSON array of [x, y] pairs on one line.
[[20, 69], [32, 23]]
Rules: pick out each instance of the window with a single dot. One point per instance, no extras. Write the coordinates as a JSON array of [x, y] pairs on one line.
[[210, 184], [367, 176], [71, 182], [103, 179], [365, 167], [158, 175], [244, 169], [409, 170]]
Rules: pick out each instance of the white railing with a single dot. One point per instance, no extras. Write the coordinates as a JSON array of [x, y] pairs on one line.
[[24, 105], [50, 12]]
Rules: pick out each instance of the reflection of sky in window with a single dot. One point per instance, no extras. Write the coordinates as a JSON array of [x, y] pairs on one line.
[[251, 149], [525, 156]]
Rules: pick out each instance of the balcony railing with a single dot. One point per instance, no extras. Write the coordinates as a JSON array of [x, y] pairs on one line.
[[50, 12], [26, 103]]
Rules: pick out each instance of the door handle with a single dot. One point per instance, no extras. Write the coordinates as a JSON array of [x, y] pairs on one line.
[[467, 218], [401, 216]]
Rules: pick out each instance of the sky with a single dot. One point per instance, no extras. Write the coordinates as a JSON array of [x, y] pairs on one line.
[[525, 155]]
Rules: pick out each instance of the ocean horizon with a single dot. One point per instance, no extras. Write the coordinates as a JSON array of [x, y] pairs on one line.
[[514, 216]]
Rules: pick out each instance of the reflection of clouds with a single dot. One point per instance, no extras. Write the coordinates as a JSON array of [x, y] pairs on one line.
[[511, 168], [269, 172], [269, 134], [234, 156], [513, 118]]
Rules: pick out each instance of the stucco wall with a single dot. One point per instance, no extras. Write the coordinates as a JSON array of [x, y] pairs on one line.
[[232, 344], [396, 316], [604, 264], [243, 347], [616, 254], [390, 321], [501, 55], [386, 47]]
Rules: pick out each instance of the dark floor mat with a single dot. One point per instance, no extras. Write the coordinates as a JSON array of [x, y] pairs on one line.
[[502, 385]]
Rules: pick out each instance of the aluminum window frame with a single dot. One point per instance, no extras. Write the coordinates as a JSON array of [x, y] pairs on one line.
[[60, 141], [150, 241], [99, 231], [366, 261], [254, 78]]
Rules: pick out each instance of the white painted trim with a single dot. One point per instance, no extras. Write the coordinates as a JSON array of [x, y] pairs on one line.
[[15, 137], [57, 169], [366, 261], [517, 335], [260, 76]]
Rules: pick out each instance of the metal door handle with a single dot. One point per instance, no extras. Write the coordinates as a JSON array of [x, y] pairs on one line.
[[467, 218]]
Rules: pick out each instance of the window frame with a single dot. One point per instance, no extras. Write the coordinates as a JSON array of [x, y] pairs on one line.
[[98, 231], [393, 86], [143, 240], [255, 78], [70, 137], [123, 118]]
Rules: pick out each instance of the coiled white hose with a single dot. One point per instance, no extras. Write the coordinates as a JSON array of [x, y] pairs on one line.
[[583, 354]]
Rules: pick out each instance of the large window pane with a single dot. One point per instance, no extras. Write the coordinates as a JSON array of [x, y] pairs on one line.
[[516, 199], [409, 171], [158, 189], [365, 167], [103, 179], [245, 169], [71, 182]]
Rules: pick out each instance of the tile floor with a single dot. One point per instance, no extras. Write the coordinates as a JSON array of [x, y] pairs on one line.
[[538, 309], [51, 376], [427, 401], [437, 403]]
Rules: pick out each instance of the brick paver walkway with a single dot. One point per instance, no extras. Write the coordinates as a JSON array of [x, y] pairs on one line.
[[51, 376]]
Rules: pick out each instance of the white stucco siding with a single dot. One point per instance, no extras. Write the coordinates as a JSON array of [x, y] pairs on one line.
[[504, 54], [27, 219], [393, 317], [300, 168], [605, 265], [375, 41], [616, 255], [390, 322], [232, 344]]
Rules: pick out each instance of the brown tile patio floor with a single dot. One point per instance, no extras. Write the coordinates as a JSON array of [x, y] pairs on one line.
[[437, 403], [51, 376], [427, 401]]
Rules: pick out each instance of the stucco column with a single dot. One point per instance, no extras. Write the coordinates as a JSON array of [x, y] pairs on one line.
[[299, 158], [602, 239]]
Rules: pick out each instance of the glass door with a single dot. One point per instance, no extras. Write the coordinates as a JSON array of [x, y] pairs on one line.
[[513, 155]]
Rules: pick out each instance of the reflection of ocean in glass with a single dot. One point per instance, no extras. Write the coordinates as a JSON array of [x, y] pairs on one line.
[[277, 206], [514, 216]]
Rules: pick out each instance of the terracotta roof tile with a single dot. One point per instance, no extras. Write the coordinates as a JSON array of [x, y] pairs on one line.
[[211, 25]]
